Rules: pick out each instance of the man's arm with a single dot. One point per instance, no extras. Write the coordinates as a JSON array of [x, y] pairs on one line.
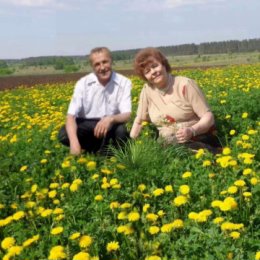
[[107, 122], [71, 128]]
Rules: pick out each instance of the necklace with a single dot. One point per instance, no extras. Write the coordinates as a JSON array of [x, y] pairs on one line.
[[164, 90]]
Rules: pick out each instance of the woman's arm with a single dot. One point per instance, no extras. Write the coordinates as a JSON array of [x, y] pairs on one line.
[[136, 128], [202, 126]]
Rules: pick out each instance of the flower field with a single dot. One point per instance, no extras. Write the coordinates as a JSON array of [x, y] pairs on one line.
[[145, 202]]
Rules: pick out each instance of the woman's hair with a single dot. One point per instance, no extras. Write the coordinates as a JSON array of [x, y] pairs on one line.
[[143, 58]]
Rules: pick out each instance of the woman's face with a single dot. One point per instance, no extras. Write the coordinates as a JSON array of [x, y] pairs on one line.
[[155, 73]]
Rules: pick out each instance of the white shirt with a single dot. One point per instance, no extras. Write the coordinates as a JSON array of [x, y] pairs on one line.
[[93, 100]]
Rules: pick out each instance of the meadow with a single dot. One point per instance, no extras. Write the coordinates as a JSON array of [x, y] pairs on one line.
[[146, 202]]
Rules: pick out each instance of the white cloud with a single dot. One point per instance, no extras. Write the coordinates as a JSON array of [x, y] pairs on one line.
[[155, 5], [48, 4], [177, 3]]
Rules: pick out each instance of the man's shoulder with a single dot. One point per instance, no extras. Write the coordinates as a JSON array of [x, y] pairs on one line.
[[120, 79], [87, 80]]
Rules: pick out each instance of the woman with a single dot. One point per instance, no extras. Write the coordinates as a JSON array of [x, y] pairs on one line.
[[174, 104]]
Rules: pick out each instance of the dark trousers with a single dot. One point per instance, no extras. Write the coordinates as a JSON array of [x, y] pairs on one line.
[[116, 136], [205, 141]]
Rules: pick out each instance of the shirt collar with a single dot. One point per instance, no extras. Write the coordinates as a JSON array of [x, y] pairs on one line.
[[93, 78]]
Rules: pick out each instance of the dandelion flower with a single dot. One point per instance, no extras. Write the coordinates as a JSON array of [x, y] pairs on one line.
[[158, 192], [56, 230], [184, 189], [154, 230], [153, 257], [240, 183], [244, 115], [15, 250], [85, 241], [151, 217], [56, 253], [168, 188], [180, 200], [91, 165], [113, 246], [74, 236], [23, 168], [186, 175], [234, 235], [133, 216], [232, 189], [232, 132], [99, 197], [7, 242], [81, 256]]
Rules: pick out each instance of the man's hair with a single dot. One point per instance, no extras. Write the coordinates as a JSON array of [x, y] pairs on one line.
[[143, 58], [99, 49]]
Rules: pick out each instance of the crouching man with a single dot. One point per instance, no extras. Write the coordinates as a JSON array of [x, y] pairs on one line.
[[99, 108]]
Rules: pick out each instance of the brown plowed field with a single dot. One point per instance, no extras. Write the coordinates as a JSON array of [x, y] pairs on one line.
[[16, 81]]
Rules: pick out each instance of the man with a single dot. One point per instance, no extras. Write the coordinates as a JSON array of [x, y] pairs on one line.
[[100, 105]]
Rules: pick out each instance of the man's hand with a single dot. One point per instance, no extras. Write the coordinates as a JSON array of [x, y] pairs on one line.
[[75, 148], [103, 126]]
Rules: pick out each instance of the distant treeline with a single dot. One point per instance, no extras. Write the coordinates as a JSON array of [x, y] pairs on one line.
[[199, 49], [70, 62]]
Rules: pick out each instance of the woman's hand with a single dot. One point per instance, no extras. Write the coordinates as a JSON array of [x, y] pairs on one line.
[[183, 135]]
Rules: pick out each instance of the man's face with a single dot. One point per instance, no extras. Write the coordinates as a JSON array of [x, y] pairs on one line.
[[102, 66]]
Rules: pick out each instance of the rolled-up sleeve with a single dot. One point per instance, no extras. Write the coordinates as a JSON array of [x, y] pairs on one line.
[[197, 99], [76, 100], [125, 105]]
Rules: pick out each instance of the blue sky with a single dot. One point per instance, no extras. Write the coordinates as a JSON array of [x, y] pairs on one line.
[[32, 28]]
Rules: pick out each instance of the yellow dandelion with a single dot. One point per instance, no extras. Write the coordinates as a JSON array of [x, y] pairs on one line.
[[82, 256], [151, 217], [56, 230], [91, 165], [74, 187], [114, 205], [133, 216], [226, 151], [99, 197], [234, 234], [85, 241], [74, 236], [244, 115], [153, 257], [18, 215], [122, 215], [186, 175], [180, 200], [218, 220], [168, 188], [112, 246], [141, 187], [7, 243], [232, 189], [43, 161], [158, 192], [57, 252], [232, 132], [154, 230], [254, 181], [23, 168], [184, 189], [240, 183]]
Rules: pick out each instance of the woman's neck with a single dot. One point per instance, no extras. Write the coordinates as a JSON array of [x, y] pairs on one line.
[[163, 89]]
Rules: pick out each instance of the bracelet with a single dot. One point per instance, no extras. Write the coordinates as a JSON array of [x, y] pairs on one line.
[[193, 131]]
